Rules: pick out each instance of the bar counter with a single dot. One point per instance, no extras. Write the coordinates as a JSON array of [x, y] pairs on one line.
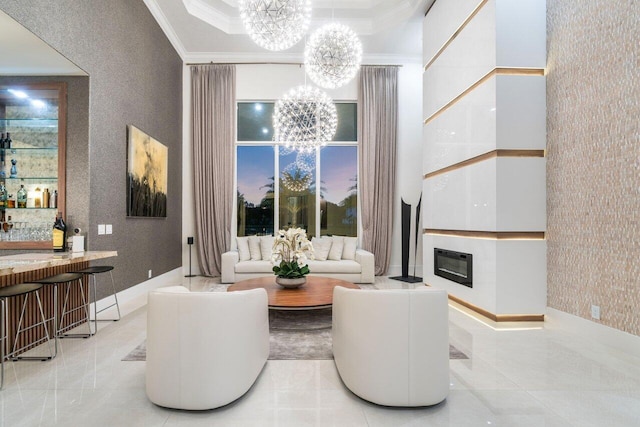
[[30, 267], [20, 263]]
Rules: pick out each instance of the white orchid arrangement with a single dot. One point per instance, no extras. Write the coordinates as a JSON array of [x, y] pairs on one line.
[[291, 251]]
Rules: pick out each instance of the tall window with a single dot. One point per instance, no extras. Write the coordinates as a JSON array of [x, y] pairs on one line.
[[255, 190], [279, 188], [338, 191]]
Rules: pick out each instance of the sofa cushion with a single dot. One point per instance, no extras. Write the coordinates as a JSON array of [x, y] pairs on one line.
[[243, 248], [254, 248], [321, 248], [337, 245], [344, 266], [254, 267], [266, 244], [349, 250]]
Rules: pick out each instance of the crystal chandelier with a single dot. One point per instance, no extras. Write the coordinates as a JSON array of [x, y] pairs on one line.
[[275, 24], [297, 176], [304, 118], [333, 55]]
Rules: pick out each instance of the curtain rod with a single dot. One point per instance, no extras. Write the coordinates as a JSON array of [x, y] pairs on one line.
[[279, 63]]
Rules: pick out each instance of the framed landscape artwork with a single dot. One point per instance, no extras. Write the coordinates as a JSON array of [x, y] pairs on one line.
[[147, 164]]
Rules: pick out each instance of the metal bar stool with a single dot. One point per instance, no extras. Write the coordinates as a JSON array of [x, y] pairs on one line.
[[93, 271], [60, 327], [13, 291]]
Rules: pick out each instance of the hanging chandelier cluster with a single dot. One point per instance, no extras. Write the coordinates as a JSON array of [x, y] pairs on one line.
[[305, 118], [333, 55], [275, 24]]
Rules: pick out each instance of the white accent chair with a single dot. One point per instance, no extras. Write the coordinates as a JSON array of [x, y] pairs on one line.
[[391, 347], [204, 349]]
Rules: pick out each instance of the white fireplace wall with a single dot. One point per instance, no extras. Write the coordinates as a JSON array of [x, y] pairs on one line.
[[506, 273], [506, 112], [499, 194], [483, 165]]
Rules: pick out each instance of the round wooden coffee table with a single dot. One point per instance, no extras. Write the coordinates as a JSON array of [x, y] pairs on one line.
[[316, 293]]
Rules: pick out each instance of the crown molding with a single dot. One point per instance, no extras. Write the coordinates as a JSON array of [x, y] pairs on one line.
[[166, 27], [292, 58], [240, 57]]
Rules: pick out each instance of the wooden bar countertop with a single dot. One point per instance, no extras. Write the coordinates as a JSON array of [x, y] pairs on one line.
[[20, 263]]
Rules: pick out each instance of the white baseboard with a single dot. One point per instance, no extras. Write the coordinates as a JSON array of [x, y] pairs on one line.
[[615, 338], [135, 297], [396, 270]]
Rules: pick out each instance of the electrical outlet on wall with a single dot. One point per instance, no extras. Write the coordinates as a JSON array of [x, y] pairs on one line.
[[595, 312], [150, 274], [101, 229], [109, 229]]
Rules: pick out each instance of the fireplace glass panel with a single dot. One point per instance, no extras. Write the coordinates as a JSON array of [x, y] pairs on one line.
[[455, 266]]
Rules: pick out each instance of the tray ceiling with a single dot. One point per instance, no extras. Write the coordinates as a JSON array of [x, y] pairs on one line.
[[211, 30]]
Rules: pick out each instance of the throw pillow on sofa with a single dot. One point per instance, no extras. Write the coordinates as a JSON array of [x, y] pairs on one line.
[[349, 250], [321, 248], [266, 245], [254, 248], [337, 245], [243, 248]]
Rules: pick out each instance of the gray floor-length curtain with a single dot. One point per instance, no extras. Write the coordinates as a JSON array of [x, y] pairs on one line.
[[213, 103], [378, 128]]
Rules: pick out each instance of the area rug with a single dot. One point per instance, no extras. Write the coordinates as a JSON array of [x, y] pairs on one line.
[[294, 335]]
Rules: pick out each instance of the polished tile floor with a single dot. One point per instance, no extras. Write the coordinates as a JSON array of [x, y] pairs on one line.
[[517, 375]]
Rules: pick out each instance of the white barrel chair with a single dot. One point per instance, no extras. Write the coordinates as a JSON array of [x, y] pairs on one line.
[[391, 347], [204, 349]]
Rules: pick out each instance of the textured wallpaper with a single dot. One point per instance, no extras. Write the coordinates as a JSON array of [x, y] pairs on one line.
[[593, 165]]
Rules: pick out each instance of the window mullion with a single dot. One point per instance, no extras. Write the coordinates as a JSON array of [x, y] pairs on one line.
[[318, 189], [276, 189]]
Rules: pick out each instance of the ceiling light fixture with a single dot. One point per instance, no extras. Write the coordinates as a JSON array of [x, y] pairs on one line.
[[275, 24], [333, 55], [305, 118], [297, 176]]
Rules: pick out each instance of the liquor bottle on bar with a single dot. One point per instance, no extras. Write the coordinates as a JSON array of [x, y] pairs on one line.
[[2, 148], [59, 234], [22, 197], [7, 142], [3, 196], [46, 197], [8, 225]]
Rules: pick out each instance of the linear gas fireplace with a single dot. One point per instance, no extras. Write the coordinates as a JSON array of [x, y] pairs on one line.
[[455, 266]]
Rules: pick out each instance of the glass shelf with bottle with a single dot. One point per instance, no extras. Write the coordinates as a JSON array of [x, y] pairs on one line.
[[29, 208], [29, 199], [30, 178], [16, 150], [29, 122]]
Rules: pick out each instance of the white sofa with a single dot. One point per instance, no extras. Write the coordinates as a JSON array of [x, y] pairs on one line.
[[391, 347], [360, 269], [204, 349]]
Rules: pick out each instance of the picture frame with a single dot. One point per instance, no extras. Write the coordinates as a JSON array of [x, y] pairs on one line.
[[147, 175]]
